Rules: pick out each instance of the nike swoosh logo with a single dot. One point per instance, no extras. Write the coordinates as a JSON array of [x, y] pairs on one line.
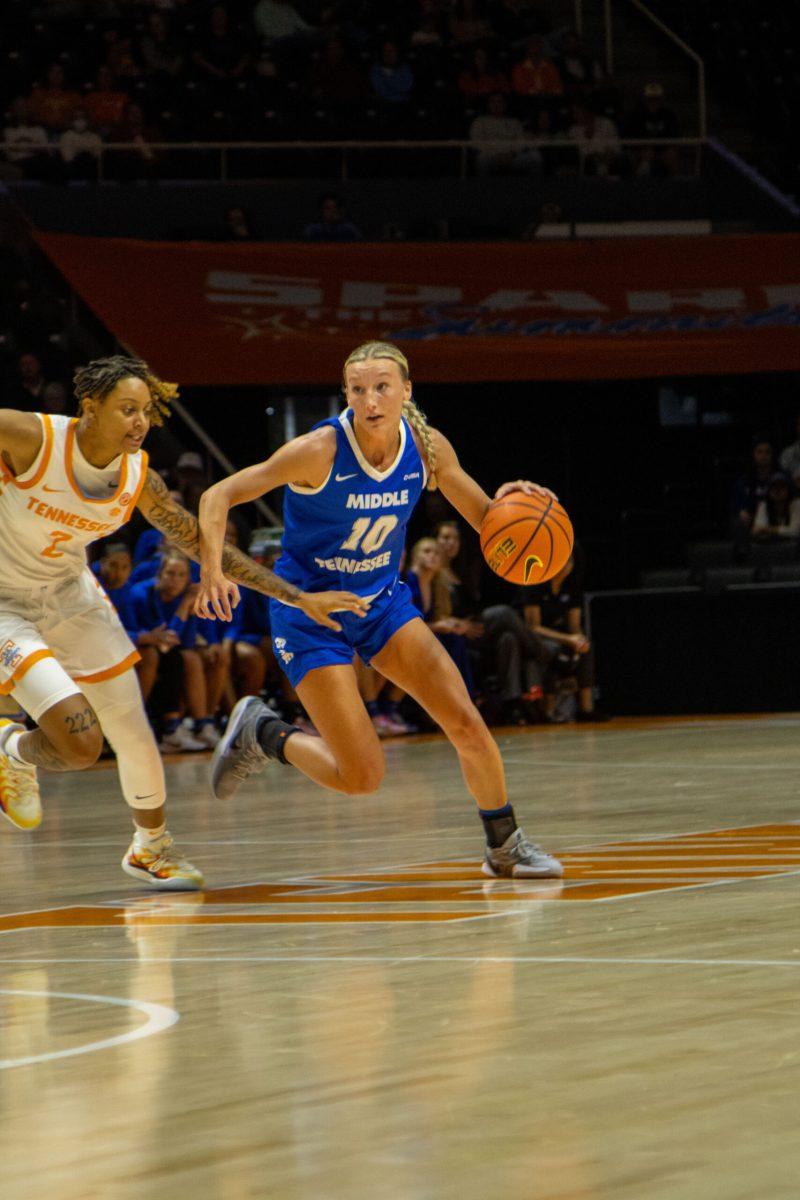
[[149, 796], [45, 488], [341, 478]]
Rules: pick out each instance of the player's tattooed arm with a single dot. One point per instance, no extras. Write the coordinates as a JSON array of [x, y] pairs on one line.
[[181, 529]]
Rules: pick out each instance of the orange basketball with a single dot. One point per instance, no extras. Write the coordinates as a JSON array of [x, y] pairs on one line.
[[526, 539]]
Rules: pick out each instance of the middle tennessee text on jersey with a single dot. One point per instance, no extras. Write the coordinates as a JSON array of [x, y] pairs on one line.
[[348, 534]]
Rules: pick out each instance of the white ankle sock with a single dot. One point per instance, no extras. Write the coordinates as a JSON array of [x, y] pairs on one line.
[[11, 748], [150, 835]]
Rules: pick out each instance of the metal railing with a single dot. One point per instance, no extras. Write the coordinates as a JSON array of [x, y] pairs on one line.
[[157, 157], [649, 15], [702, 101]]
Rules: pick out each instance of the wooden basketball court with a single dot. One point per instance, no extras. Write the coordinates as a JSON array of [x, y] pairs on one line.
[[351, 1010]]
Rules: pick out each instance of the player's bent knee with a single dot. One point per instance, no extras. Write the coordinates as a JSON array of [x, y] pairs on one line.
[[73, 730], [467, 730], [80, 748], [86, 748], [360, 779]]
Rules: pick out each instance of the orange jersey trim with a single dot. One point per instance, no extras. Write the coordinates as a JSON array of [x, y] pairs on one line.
[[7, 688], [110, 672], [47, 450], [68, 449]]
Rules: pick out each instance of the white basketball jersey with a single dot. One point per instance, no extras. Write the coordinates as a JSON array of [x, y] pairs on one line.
[[46, 521]]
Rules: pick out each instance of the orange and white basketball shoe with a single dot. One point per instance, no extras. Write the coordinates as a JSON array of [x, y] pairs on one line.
[[20, 802], [159, 864]]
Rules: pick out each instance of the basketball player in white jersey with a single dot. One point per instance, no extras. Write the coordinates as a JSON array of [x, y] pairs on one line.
[[64, 656]]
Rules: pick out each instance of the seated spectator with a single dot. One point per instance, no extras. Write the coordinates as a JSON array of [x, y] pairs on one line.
[[161, 52], [515, 20], [237, 227], [26, 142], [790, 458], [121, 58], [192, 478], [598, 141], [750, 489], [462, 568], [428, 34], [553, 612], [468, 24], [579, 71], [247, 643], [55, 399], [222, 56], [333, 224], [113, 569], [147, 552], [535, 78], [430, 593], [105, 104], [53, 105], [29, 392], [278, 20], [335, 80], [653, 119], [777, 516], [392, 79], [507, 650], [79, 147], [382, 701], [166, 632], [550, 223], [487, 132], [480, 78], [141, 161]]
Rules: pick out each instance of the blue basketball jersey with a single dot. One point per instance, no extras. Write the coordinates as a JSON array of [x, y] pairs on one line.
[[348, 534]]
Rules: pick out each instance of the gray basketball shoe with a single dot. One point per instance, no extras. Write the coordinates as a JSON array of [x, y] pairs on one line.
[[520, 859], [238, 753]]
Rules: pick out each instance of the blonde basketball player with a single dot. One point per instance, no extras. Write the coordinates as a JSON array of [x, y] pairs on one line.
[[351, 486], [64, 655]]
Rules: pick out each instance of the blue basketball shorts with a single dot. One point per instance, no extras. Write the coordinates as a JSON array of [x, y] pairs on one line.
[[301, 645]]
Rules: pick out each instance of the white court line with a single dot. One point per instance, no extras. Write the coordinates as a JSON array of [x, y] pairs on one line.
[[564, 959], [614, 763], [159, 1017]]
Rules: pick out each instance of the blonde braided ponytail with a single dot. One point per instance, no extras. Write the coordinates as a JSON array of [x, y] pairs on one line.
[[419, 423], [415, 417]]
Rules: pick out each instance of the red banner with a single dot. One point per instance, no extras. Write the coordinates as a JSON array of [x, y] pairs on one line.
[[284, 313]]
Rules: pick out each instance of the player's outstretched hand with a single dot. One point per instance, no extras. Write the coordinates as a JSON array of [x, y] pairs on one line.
[[217, 597], [319, 606], [524, 485]]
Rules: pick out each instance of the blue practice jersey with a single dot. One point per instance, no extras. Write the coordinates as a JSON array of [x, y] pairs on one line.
[[348, 534]]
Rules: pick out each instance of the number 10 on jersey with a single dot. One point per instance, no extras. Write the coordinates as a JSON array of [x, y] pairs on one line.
[[368, 535]]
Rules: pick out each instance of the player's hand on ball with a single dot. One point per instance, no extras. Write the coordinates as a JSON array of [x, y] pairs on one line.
[[319, 606], [216, 597], [523, 485]]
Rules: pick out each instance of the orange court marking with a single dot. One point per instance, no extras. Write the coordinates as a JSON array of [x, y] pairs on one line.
[[453, 890]]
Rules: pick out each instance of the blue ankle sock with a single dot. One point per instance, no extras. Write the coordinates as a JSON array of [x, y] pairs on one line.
[[492, 814], [498, 823]]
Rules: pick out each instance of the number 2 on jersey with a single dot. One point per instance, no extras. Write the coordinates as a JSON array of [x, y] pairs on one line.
[[370, 534], [56, 537]]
